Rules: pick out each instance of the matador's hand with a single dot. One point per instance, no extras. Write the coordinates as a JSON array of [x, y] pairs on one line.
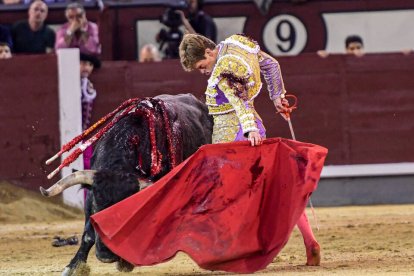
[[255, 138], [282, 106]]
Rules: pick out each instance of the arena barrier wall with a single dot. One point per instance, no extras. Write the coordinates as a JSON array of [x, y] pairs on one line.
[[287, 29], [361, 109]]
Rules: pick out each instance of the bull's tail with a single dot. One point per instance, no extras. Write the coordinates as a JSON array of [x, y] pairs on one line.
[[79, 177]]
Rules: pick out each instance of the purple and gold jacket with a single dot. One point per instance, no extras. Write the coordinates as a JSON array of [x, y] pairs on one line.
[[233, 85]]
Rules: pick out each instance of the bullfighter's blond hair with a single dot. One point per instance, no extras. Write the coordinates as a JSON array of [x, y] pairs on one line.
[[192, 50]]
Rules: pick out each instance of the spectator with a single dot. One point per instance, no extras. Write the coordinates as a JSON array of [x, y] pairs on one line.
[[46, 1], [11, 2], [78, 32], [5, 52], [149, 53], [32, 36], [353, 45], [201, 22], [5, 36], [88, 95], [170, 38], [198, 22], [87, 64]]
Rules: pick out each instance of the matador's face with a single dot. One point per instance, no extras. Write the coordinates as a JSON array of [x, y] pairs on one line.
[[206, 65]]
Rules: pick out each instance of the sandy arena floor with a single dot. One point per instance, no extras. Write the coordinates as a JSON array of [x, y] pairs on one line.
[[371, 240]]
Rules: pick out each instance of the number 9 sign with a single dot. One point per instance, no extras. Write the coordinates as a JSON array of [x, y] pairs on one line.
[[284, 35]]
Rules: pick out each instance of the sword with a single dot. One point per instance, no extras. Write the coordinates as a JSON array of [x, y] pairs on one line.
[[291, 128], [287, 112]]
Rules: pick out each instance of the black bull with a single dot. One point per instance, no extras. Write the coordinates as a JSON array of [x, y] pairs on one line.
[[123, 160]]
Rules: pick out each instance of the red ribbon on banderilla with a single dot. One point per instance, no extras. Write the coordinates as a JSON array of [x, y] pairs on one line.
[[288, 110], [145, 108]]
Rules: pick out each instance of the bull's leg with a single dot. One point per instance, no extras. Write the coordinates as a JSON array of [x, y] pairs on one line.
[[103, 253], [77, 265], [112, 188]]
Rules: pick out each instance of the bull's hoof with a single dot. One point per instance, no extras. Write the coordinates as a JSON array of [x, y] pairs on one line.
[[107, 260], [124, 266], [103, 253], [313, 255], [81, 269]]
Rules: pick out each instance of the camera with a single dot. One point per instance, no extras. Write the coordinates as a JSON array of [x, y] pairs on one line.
[[171, 17], [171, 37]]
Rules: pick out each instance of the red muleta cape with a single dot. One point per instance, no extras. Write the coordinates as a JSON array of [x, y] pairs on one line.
[[229, 206]]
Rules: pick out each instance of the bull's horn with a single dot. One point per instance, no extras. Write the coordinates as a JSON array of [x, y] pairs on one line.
[[79, 177]]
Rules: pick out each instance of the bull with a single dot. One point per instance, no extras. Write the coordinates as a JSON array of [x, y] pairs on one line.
[[123, 163]]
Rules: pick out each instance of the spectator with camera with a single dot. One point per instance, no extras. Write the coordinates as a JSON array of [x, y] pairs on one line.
[[174, 17], [200, 21], [170, 38], [78, 32]]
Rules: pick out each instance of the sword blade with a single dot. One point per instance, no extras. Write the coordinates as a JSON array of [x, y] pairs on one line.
[[291, 129]]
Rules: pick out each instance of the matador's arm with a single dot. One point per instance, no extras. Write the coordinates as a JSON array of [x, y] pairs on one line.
[[270, 69]]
